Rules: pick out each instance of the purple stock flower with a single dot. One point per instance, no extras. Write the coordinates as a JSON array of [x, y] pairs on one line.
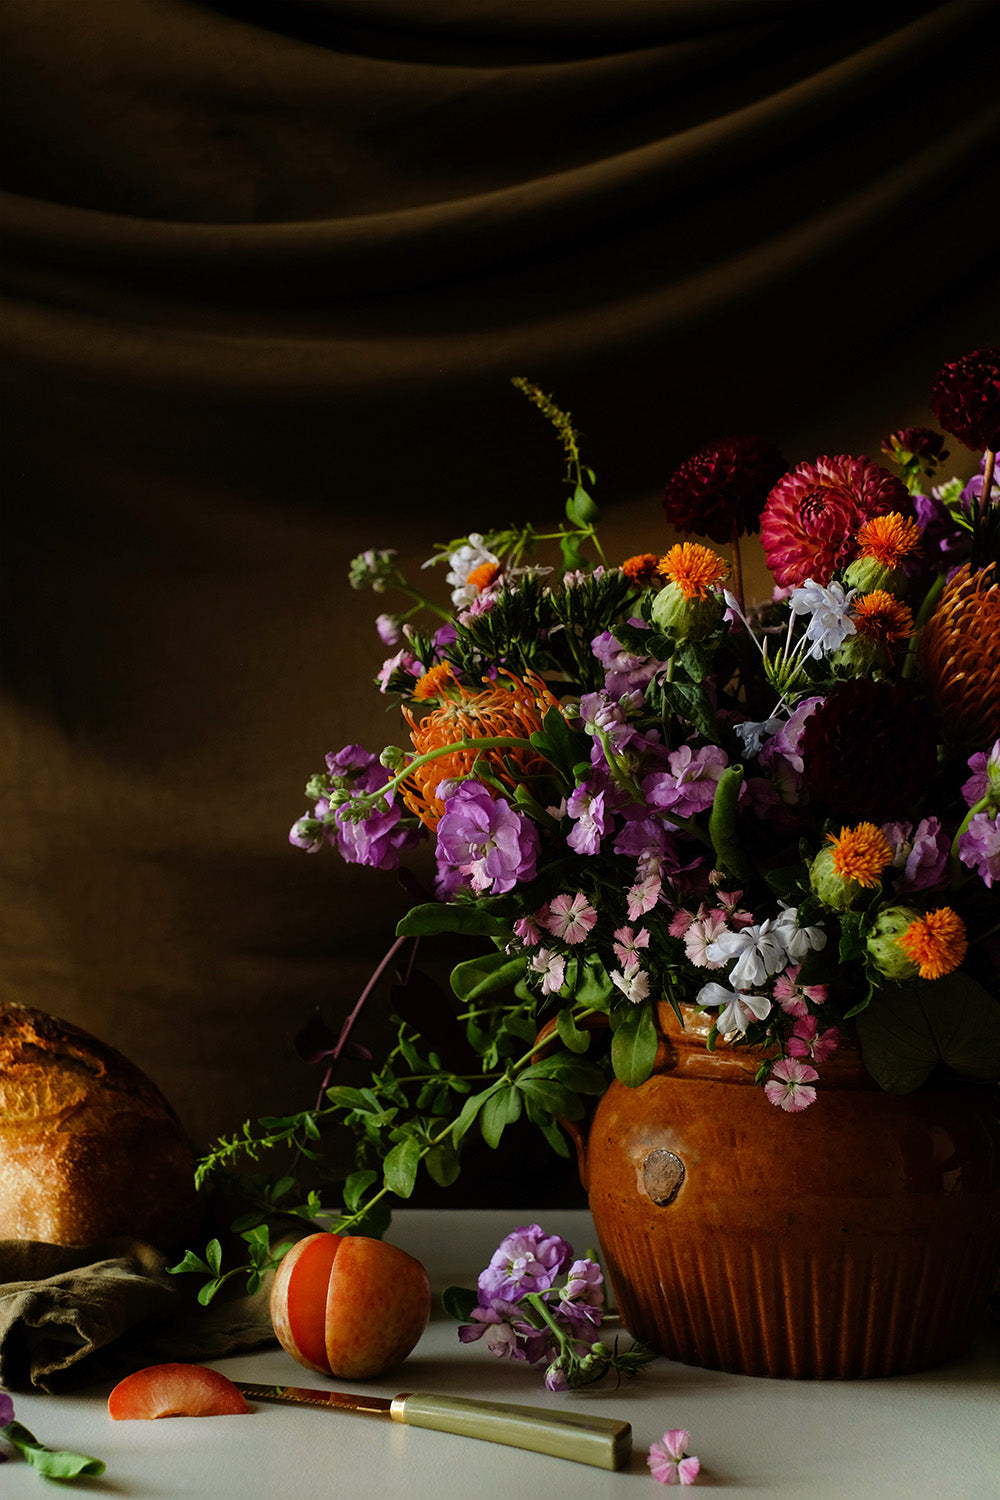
[[587, 806], [506, 1333], [689, 786], [528, 1260], [375, 840], [623, 671], [483, 837], [582, 1298], [921, 853], [985, 778], [979, 847]]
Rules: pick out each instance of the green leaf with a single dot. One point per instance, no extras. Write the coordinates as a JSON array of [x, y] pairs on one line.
[[208, 1291], [573, 556], [908, 1029], [470, 1110], [550, 1095], [581, 509], [356, 1186], [190, 1262], [633, 1044], [400, 1166], [483, 976], [852, 942], [501, 1109], [443, 1165], [51, 1462], [213, 1254], [465, 917], [570, 1034], [458, 1302]]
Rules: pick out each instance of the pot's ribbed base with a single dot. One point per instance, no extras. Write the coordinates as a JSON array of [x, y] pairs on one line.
[[765, 1309]]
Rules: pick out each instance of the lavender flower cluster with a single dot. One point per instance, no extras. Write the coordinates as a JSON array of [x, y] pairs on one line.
[[523, 1314]]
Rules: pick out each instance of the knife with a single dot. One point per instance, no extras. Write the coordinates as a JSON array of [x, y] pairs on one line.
[[602, 1441]]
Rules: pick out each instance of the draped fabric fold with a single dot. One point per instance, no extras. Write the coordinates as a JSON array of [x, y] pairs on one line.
[[268, 268]]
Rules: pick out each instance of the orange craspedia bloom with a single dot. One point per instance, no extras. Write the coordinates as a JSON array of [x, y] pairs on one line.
[[882, 618], [434, 683], [959, 659], [693, 568], [888, 539], [860, 853], [642, 568], [509, 708], [936, 943]]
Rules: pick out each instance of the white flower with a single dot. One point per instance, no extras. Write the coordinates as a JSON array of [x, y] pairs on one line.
[[472, 555], [830, 608], [759, 951], [552, 967], [632, 981], [798, 941], [738, 1009]]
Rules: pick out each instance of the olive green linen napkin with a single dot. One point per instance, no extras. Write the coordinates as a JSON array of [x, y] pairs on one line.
[[70, 1316]]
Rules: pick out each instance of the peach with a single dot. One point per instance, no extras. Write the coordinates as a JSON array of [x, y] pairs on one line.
[[349, 1306], [175, 1391]]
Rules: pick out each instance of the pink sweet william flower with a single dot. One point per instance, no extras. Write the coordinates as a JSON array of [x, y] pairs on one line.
[[669, 1460], [628, 943], [794, 997], [789, 1086], [812, 515], [807, 1041], [568, 917]]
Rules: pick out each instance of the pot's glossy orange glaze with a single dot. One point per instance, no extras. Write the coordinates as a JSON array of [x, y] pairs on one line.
[[859, 1237]]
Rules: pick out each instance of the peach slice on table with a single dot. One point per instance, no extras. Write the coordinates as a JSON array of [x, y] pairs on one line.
[[349, 1306], [175, 1390]]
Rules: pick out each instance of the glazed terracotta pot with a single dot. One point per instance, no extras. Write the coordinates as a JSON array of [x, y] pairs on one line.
[[859, 1237]]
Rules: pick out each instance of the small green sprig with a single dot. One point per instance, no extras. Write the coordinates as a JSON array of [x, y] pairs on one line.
[[51, 1463]]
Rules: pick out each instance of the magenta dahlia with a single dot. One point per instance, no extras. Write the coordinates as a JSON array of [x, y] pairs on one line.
[[721, 489], [812, 515], [965, 398]]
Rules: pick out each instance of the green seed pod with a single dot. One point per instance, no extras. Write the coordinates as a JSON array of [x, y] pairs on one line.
[[832, 889], [883, 943]]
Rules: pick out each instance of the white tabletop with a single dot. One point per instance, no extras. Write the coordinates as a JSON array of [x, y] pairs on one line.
[[935, 1434]]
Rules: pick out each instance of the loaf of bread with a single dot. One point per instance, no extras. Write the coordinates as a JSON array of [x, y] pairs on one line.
[[89, 1147]]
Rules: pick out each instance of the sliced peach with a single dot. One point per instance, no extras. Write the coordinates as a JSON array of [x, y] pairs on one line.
[[348, 1305], [175, 1391]]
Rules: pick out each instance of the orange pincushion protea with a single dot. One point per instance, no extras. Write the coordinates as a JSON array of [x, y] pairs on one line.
[[506, 708], [959, 657]]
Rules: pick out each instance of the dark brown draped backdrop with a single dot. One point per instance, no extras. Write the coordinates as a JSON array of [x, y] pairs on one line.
[[269, 267]]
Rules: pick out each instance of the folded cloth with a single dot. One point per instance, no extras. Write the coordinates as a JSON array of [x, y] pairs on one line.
[[72, 1315]]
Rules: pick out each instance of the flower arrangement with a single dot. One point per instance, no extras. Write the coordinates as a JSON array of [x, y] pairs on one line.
[[642, 791]]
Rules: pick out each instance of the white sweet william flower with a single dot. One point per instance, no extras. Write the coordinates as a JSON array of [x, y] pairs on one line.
[[759, 951], [633, 982], [737, 1009]]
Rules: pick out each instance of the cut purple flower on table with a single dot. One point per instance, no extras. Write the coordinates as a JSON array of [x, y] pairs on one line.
[[528, 1260]]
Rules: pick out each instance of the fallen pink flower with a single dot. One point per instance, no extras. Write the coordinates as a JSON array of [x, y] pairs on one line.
[[669, 1460]]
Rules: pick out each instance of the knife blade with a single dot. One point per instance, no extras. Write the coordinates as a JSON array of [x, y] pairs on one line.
[[604, 1442]]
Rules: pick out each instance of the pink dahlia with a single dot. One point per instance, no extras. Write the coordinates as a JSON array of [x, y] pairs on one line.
[[721, 489], [812, 515], [965, 398]]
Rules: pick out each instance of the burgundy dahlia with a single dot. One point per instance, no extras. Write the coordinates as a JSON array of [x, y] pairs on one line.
[[915, 444], [812, 516], [721, 489], [868, 752], [965, 398]]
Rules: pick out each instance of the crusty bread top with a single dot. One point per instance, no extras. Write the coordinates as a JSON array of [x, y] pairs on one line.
[[56, 1077]]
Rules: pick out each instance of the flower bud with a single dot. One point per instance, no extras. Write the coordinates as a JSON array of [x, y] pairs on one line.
[[883, 945], [689, 619], [393, 758], [865, 574], [832, 889]]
